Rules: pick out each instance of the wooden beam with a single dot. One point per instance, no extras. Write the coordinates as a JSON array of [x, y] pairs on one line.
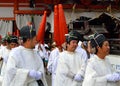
[[6, 4], [92, 7], [21, 1], [56, 1], [28, 12], [16, 5], [38, 12], [6, 1], [7, 18], [48, 1]]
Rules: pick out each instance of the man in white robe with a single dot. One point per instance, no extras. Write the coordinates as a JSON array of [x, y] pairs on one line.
[[54, 53], [81, 50], [99, 72], [24, 66], [11, 42], [71, 64], [52, 63], [2, 45]]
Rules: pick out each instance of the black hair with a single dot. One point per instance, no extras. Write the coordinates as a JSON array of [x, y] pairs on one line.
[[73, 35], [27, 32], [11, 39], [100, 45], [97, 41]]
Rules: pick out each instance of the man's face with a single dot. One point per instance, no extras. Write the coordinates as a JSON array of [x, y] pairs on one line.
[[72, 45], [13, 45], [105, 49]]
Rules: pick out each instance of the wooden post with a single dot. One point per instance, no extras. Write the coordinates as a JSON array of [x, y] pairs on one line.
[[16, 8]]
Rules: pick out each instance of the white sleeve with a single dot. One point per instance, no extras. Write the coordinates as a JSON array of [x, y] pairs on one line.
[[92, 78], [50, 61], [83, 65], [61, 72]]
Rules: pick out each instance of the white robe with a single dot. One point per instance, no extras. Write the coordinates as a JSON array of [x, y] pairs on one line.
[[4, 54], [20, 62], [79, 49], [54, 67], [96, 72], [69, 61], [52, 63], [1, 53], [40, 52], [54, 53]]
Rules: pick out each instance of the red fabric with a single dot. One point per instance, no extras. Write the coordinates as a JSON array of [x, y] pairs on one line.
[[56, 36], [0, 37], [14, 33], [41, 30], [18, 34], [62, 24]]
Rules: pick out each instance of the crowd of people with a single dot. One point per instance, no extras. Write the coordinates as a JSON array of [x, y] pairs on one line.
[[25, 61]]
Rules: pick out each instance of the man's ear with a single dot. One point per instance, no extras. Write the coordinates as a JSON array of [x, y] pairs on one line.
[[98, 47], [28, 39]]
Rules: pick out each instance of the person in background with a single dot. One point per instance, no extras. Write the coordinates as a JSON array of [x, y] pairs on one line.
[[53, 54], [53, 46], [86, 45], [20, 41], [90, 49], [79, 49], [99, 72], [11, 42], [71, 64], [24, 66], [47, 54], [41, 51], [2, 42], [2, 45], [53, 59]]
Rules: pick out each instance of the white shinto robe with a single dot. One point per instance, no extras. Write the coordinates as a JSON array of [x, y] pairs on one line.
[[20, 62], [69, 61], [96, 72], [4, 54], [52, 63]]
